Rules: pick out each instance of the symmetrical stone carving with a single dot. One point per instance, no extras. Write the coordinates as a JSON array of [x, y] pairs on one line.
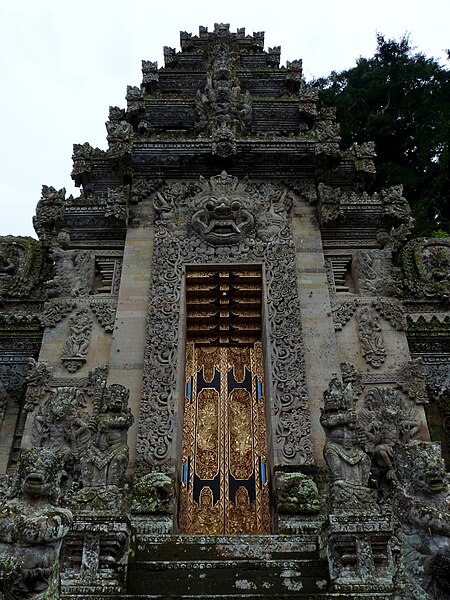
[[78, 340], [348, 464], [32, 528], [388, 421], [413, 382], [106, 459], [222, 106], [371, 336], [49, 213], [175, 245]]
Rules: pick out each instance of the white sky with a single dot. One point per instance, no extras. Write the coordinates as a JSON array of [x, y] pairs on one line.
[[64, 62]]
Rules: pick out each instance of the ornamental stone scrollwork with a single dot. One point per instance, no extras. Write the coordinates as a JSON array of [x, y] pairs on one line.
[[388, 420], [117, 203], [55, 311], [348, 464], [176, 244], [371, 336], [421, 508], [412, 381], [342, 313], [396, 209], [78, 340], [32, 528], [393, 311], [105, 311], [153, 493]]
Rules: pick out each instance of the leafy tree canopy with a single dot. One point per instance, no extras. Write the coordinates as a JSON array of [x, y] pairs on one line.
[[401, 100]]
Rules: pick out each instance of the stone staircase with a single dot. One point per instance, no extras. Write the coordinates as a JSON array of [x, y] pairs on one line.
[[183, 566]]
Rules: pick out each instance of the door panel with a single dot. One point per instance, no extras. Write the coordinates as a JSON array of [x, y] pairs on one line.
[[224, 486]]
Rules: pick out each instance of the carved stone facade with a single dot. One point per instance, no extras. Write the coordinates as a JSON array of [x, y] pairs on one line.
[[222, 166]]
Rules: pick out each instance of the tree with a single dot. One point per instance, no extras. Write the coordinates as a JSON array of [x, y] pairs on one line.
[[401, 100]]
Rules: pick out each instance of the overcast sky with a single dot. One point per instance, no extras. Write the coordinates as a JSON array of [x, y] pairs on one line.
[[64, 62]]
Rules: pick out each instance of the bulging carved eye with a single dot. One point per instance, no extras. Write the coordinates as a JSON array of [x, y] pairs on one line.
[[210, 205], [235, 205]]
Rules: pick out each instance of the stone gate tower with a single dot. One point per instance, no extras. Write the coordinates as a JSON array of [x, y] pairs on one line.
[[226, 340]]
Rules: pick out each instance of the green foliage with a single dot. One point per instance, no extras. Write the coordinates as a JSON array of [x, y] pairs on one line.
[[400, 100], [439, 234]]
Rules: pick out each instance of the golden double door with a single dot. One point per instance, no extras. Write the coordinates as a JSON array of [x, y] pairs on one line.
[[224, 486]]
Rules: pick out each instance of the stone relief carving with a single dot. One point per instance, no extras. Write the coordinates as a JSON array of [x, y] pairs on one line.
[[393, 312], [388, 421], [421, 507], [342, 313], [222, 104], [176, 245], [351, 375], [78, 340], [74, 272], [371, 336], [117, 203], [348, 464], [55, 311], [371, 271], [222, 221], [62, 424], [23, 268], [105, 311], [106, 459], [32, 528], [37, 379], [412, 381], [426, 268], [119, 131]]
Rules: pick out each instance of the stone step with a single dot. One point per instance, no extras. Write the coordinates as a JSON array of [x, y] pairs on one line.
[[228, 566]]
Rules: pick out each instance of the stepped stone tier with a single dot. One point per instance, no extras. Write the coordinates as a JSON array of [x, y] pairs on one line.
[[224, 366]]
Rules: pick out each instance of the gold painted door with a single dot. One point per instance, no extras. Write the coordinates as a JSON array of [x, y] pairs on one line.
[[224, 487]]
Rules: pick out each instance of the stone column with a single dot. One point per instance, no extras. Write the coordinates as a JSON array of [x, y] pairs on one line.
[[126, 361], [321, 353]]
